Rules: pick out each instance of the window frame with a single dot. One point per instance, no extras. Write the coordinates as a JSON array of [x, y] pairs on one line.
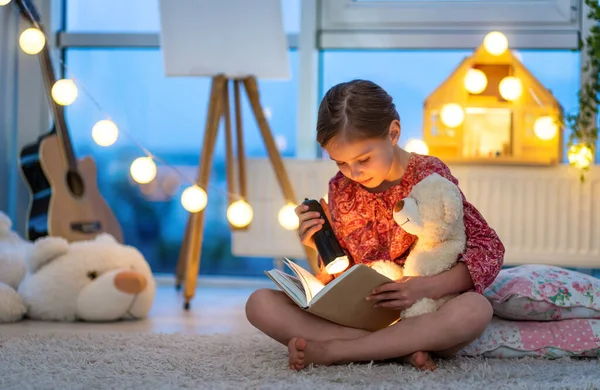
[[438, 24]]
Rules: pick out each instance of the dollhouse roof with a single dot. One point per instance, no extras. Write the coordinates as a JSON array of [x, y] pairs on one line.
[[452, 87]]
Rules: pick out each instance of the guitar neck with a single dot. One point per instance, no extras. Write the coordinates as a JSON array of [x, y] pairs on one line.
[[58, 112]]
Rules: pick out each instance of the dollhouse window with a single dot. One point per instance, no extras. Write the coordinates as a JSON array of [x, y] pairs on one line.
[[487, 132]]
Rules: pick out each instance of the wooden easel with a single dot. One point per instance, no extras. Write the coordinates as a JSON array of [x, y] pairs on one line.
[[188, 264]]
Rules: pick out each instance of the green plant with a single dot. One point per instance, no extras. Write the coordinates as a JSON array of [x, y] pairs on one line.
[[584, 125]]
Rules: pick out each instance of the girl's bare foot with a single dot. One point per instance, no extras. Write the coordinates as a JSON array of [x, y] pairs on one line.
[[302, 353], [421, 361]]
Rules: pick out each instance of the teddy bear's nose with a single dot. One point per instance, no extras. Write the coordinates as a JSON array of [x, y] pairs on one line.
[[130, 282], [399, 206]]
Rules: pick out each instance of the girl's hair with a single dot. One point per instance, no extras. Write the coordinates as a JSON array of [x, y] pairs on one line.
[[359, 109]]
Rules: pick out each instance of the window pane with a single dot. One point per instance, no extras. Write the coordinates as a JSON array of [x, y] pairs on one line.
[[167, 116], [410, 76], [141, 16]]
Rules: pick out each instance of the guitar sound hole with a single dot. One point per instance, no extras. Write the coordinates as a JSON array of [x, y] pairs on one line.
[[75, 183]]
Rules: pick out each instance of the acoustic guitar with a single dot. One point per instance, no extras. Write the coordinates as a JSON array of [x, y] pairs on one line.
[[65, 200]]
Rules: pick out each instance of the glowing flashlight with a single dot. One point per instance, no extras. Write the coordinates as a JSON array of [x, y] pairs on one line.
[[329, 248]]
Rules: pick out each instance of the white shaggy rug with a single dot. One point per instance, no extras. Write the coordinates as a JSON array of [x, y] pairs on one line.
[[228, 361]]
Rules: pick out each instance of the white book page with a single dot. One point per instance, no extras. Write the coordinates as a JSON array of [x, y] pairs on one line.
[[311, 284], [290, 285]]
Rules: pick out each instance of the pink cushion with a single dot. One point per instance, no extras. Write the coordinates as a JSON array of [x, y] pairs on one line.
[[544, 293], [553, 339]]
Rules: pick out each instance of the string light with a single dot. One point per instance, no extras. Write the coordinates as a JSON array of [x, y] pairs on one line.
[[64, 92], [287, 217], [495, 43], [143, 170], [240, 214], [452, 115], [105, 132], [194, 199], [4, 2], [510, 88], [545, 128], [475, 81], [32, 41], [417, 146]]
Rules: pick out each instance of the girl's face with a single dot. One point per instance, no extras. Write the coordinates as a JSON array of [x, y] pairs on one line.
[[368, 162]]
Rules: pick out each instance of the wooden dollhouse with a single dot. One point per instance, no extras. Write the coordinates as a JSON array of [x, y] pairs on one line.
[[493, 110]]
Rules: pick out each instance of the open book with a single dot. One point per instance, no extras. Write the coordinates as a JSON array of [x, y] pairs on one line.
[[342, 300]]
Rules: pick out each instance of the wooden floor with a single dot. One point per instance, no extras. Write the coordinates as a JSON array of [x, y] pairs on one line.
[[217, 307]]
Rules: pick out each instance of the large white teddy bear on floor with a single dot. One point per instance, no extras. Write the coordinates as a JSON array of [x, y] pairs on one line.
[[94, 280], [432, 211], [13, 253]]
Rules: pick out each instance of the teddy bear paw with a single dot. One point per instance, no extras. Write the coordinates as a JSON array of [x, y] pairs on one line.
[[12, 308]]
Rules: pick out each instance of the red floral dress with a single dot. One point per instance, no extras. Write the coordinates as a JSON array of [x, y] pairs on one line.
[[365, 228]]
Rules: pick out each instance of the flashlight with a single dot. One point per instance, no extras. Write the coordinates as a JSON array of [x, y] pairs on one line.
[[333, 256]]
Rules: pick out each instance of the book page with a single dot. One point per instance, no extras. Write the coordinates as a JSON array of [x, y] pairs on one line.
[[311, 284], [289, 285]]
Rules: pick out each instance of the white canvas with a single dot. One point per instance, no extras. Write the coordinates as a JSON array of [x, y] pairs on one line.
[[237, 38]]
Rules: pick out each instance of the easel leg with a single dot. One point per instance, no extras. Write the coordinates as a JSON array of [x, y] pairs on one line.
[[192, 250], [251, 87]]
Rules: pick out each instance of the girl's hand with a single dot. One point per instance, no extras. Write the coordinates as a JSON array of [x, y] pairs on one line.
[[310, 223], [401, 294]]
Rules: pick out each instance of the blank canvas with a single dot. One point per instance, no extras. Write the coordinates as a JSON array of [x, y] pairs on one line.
[[237, 38]]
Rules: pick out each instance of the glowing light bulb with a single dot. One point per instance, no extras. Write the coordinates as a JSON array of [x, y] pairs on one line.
[[510, 88], [143, 170], [452, 115], [545, 128], [64, 92], [194, 199], [240, 214], [105, 132], [287, 217], [417, 146], [475, 81], [32, 41], [580, 156], [4, 2], [495, 43]]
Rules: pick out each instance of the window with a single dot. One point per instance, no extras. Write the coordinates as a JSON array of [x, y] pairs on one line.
[[167, 116], [141, 16], [410, 76], [443, 24]]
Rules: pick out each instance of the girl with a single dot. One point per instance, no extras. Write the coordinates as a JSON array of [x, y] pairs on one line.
[[359, 127]]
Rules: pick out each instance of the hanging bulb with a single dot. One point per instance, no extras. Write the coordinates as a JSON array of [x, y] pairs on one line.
[[510, 88], [495, 43], [240, 214], [580, 156], [452, 115], [64, 92], [545, 128], [4, 2], [32, 41], [143, 170], [194, 199], [417, 146], [475, 81], [287, 217], [105, 132]]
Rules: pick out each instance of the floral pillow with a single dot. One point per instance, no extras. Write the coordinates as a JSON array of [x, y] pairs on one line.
[[550, 340], [544, 293]]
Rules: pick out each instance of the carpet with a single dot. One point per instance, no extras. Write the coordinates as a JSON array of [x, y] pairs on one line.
[[248, 361]]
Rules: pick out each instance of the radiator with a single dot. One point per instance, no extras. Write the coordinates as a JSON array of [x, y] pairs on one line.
[[543, 215]]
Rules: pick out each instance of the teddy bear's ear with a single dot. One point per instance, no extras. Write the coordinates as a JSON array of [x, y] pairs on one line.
[[105, 238], [5, 224], [44, 250], [452, 205]]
